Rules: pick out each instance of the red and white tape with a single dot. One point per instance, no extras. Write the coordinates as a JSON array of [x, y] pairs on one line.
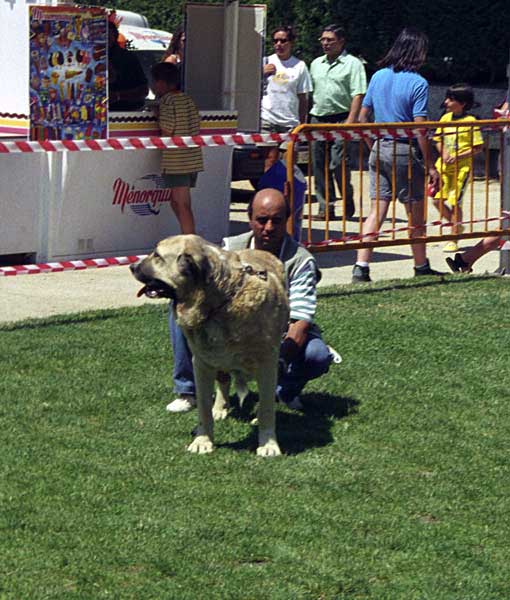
[[235, 139], [99, 263], [69, 265], [161, 143]]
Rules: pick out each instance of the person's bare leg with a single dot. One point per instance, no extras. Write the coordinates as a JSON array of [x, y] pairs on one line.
[[416, 220], [485, 245], [181, 205], [458, 218], [443, 210], [371, 225]]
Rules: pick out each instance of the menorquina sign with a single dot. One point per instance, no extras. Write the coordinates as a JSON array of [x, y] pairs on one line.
[[143, 197]]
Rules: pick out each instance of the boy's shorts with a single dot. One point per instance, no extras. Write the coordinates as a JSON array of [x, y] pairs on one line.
[[409, 183], [173, 180], [453, 184]]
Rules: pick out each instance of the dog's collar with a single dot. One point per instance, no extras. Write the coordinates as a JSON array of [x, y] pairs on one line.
[[245, 269], [249, 270]]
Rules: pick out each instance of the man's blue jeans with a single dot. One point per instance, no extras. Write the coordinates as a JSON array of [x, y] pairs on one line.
[[313, 361], [184, 380]]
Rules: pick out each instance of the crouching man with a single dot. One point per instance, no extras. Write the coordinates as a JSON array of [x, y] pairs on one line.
[[303, 353]]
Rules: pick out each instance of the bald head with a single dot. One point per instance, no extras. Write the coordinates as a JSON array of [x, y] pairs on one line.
[[268, 212], [268, 197]]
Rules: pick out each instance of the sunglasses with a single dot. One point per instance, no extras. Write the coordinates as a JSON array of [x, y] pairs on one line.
[[280, 41]]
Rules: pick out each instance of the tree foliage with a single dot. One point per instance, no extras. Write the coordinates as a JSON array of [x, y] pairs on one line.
[[469, 39]]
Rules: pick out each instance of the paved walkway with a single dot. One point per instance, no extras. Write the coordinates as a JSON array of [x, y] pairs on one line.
[[35, 296]]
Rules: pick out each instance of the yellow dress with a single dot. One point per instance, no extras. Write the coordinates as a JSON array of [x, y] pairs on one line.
[[455, 176]]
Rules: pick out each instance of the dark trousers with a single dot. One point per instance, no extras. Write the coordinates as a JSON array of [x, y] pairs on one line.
[[336, 150], [312, 362]]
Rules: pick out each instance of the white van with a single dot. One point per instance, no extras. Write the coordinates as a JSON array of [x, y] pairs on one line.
[[128, 17], [149, 45]]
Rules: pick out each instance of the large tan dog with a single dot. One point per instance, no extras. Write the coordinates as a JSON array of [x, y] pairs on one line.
[[233, 310]]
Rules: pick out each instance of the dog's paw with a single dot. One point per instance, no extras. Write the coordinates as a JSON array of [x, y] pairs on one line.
[[219, 414], [202, 444], [270, 448]]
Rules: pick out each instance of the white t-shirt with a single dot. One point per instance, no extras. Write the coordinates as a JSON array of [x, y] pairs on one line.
[[280, 104]]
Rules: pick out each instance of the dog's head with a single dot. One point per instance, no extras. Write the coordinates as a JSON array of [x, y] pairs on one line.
[[176, 267]]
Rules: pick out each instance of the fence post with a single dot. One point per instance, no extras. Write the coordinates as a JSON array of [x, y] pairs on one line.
[[504, 255]]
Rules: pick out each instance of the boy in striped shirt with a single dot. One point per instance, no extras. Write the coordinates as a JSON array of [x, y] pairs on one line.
[[178, 115]]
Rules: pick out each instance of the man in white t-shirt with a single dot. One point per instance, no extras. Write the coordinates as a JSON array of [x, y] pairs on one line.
[[286, 88]]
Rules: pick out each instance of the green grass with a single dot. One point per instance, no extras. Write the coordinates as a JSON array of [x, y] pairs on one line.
[[395, 483]]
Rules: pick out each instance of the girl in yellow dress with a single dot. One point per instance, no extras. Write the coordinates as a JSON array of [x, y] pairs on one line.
[[456, 147]]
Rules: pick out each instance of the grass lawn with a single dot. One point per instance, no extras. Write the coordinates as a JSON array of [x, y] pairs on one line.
[[395, 484]]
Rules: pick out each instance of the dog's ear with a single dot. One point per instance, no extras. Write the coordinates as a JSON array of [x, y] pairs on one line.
[[186, 265], [204, 271]]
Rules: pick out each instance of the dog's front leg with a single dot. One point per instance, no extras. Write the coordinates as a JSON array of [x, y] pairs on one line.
[[266, 382], [221, 401], [204, 379]]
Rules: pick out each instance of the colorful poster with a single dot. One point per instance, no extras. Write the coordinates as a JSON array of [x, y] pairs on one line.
[[68, 64]]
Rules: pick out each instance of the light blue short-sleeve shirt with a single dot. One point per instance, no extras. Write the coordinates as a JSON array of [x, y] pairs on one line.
[[397, 97], [336, 83]]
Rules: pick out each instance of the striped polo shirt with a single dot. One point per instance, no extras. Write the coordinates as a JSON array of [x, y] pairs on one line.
[[300, 270], [178, 115], [302, 287]]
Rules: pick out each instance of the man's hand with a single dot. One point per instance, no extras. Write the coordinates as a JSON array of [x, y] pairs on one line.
[[364, 117], [434, 178], [294, 340], [269, 69], [354, 109]]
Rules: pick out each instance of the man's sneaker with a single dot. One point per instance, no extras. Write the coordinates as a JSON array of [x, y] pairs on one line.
[[451, 246], [337, 359], [184, 403], [426, 270], [295, 403], [360, 274], [458, 265]]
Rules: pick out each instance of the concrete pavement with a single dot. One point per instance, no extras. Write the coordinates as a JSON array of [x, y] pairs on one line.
[[36, 296]]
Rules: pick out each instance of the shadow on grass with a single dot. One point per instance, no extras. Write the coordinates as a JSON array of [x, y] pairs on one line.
[[407, 284], [296, 431]]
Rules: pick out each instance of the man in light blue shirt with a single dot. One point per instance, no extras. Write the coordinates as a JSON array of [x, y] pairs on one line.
[[339, 82]]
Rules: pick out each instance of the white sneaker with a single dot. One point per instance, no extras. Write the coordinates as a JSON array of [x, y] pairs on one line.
[[182, 404], [337, 359]]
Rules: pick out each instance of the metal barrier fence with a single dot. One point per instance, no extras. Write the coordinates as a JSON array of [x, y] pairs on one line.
[[475, 207]]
